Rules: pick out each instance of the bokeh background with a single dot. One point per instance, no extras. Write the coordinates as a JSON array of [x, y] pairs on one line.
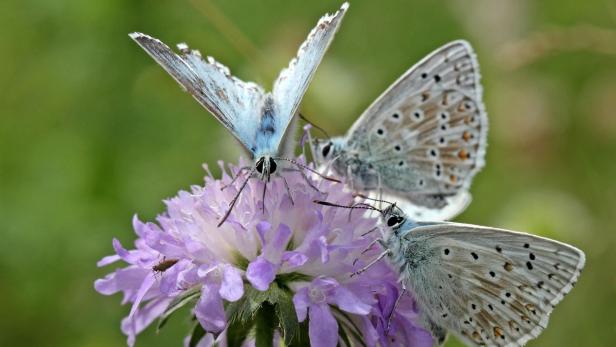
[[92, 131]]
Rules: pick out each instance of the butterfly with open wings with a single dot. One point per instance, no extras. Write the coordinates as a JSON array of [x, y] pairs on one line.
[[260, 121]]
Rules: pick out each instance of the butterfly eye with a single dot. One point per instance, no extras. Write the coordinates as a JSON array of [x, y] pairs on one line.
[[326, 149], [259, 165], [394, 220], [272, 165]]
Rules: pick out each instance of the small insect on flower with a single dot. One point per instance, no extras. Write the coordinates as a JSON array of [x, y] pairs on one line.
[[487, 286], [164, 265]]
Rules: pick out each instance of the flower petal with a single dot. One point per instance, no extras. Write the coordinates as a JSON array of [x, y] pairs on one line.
[[232, 286], [301, 301], [260, 273], [210, 311], [347, 300], [292, 259], [322, 326], [146, 315], [148, 281], [276, 245]]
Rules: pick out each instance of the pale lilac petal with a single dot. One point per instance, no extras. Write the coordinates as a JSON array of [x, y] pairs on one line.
[[348, 301], [210, 311], [144, 317], [301, 301], [262, 228], [261, 273], [145, 286], [108, 260], [322, 326], [292, 259], [324, 250], [276, 246], [232, 286]]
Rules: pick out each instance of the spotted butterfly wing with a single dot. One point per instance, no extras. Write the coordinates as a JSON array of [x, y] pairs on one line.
[[488, 286], [425, 136]]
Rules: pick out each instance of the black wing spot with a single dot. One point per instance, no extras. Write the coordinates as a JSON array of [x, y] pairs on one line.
[[395, 116], [380, 131], [446, 251], [526, 245], [531, 256], [475, 256], [529, 265], [437, 78], [401, 163], [424, 75], [492, 274], [398, 148], [499, 250]]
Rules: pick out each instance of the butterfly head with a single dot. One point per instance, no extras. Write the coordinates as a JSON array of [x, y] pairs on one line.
[[265, 167], [326, 150]]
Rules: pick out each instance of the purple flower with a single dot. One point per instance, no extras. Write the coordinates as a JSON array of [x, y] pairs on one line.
[[286, 248]]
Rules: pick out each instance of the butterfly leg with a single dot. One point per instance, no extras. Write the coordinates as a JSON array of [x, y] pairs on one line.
[[367, 248], [237, 195], [239, 172], [286, 185], [381, 256], [393, 310], [263, 198]]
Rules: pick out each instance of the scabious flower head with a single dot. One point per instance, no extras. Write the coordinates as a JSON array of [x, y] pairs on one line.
[[279, 268]]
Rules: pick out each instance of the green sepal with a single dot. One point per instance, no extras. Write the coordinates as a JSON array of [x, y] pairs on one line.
[[178, 302]]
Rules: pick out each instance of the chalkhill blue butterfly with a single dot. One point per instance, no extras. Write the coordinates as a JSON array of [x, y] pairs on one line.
[[485, 285], [261, 121], [422, 141]]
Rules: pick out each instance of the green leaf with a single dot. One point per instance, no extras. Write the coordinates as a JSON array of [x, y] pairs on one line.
[[285, 312], [197, 334], [265, 325], [177, 303], [303, 338], [238, 331]]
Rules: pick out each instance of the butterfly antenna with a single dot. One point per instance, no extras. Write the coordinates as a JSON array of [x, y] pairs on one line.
[[294, 162], [301, 116], [354, 206], [237, 195], [392, 205], [237, 175]]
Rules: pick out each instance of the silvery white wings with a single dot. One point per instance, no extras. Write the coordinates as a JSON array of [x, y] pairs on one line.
[[488, 286], [423, 140], [257, 119]]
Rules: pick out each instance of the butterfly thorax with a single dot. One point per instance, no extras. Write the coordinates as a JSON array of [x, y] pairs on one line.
[[266, 143]]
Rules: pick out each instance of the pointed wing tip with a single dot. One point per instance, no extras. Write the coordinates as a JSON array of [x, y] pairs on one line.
[[345, 6], [136, 35]]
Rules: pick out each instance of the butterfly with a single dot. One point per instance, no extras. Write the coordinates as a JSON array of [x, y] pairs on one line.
[[423, 140], [259, 120], [487, 286]]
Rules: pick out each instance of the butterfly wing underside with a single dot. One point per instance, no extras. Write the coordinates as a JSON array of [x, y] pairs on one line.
[[291, 84], [486, 285], [426, 134], [234, 103]]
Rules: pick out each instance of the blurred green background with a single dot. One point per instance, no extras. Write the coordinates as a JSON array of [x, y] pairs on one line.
[[92, 131]]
